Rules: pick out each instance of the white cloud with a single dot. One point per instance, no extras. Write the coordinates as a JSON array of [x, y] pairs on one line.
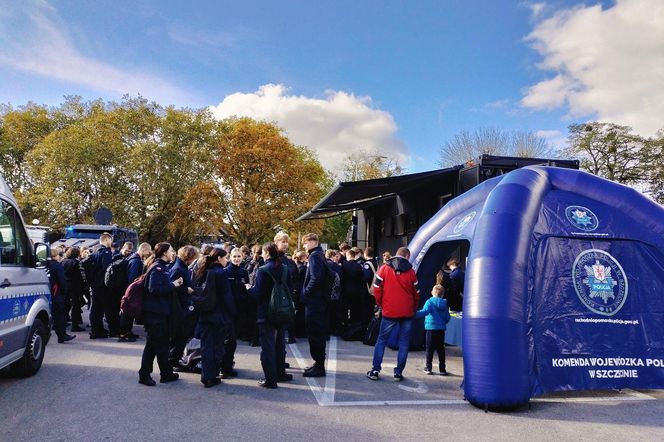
[[333, 126], [608, 64], [536, 9], [555, 138], [36, 40]]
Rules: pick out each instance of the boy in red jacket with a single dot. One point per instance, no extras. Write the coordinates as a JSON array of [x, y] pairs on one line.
[[396, 293]]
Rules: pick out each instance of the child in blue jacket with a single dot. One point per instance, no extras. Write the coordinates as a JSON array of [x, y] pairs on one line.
[[437, 316]]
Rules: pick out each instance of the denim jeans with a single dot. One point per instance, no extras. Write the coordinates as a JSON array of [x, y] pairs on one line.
[[386, 326]]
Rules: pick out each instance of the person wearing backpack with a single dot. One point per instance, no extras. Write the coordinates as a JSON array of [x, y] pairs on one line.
[[116, 280], [156, 311], [101, 304], [315, 300], [273, 347], [135, 268], [213, 323]]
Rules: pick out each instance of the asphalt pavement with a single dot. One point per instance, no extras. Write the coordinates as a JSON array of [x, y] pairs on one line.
[[88, 390]]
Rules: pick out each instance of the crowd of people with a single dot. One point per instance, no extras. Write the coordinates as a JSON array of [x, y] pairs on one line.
[[241, 282]]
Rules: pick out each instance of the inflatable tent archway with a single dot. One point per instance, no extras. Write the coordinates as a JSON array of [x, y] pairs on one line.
[[564, 284]]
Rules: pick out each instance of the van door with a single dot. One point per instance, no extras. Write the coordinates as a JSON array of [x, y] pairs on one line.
[[20, 284]]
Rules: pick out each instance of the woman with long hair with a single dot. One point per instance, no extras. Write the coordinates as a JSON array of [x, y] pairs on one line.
[[156, 312], [213, 324], [273, 348]]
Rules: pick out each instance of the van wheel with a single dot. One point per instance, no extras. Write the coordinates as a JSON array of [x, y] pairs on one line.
[[33, 356]]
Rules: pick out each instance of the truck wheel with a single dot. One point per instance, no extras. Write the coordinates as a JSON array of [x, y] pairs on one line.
[[33, 356]]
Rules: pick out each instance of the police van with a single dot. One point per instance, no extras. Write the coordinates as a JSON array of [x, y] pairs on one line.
[[24, 292]]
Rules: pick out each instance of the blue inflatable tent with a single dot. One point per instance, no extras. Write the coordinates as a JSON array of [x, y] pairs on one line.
[[564, 284]]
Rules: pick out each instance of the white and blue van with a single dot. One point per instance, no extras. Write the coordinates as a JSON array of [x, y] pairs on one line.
[[24, 292]]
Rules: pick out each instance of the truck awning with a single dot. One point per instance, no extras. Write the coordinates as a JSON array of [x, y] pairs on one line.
[[353, 195]]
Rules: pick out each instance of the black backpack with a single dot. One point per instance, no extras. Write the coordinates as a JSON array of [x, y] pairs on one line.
[[116, 274], [281, 309], [205, 293], [332, 285]]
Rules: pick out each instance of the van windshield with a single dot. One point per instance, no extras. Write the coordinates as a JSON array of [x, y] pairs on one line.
[[83, 234]]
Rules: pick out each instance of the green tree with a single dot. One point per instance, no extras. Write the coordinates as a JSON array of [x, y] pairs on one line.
[[78, 169], [608, 150], [20, 131], [654, 166]]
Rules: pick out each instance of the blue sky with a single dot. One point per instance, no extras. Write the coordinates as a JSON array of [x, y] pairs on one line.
[[393, 75]]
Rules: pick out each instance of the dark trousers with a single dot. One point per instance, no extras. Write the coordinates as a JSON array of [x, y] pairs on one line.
[[103, 305], [300, 329], [156, 344], [336, 312], [113, 312], [59, 315], [77, 303], [97, 307], [183, 333], [126, 323], [212, 348], [273, 351], [435, 341], [230, 344], [316, 321]]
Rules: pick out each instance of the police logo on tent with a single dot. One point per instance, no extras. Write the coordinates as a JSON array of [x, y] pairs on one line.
[[463, 222], [600, 282], [582, 218]]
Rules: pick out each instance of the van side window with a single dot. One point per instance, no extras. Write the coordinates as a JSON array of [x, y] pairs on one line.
[[13, 242]]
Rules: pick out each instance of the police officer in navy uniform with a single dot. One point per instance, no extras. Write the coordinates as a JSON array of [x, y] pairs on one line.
[[315, 300], [282, 240], [213, 324], [59, 293], [156, 311], [369, 268], [135, 268], [273, 347], [185, 327], [238, 278], [101, 295]]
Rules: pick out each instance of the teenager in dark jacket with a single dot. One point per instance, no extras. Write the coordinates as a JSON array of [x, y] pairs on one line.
[[59, 293], [156, 311], [117, 292], [256, 262], [300, 258], [454, 284], [185, 328], [315, 300], [336, 310], [282, 241], [101, 304], [273, 348], [369, 268], [353, 288], [213, 325], [135, 269], [238, 278], [77, 287]]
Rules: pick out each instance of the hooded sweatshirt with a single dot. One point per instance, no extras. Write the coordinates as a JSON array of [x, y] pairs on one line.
[[395, 289], [436, 314]]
